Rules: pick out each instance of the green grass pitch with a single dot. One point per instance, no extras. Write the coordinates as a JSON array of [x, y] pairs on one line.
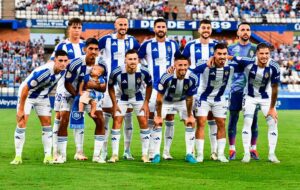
[[174, 174]]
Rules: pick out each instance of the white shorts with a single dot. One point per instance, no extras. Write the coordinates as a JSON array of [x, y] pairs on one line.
[[131, 103], [57, 101], [219, 109], [152, 102], [41, 105], [250, 104], [174, 107], [67, 102]]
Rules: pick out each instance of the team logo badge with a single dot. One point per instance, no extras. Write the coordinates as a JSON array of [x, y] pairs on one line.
[[251, 53], [169, 49], [33, 83], [138, 80], [211, 50], [68, 75], [160, 87], [186, 87], [127, 44], [267, 75], [226, 73], [76, 115]]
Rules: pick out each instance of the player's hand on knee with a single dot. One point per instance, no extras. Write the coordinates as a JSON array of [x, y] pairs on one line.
[[190, 121], [116, 109], [272, 112], [20, 116], [158, 121], [145, 109]]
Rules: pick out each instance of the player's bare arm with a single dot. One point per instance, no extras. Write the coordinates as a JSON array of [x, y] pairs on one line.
[[272, 111], [158, 118]]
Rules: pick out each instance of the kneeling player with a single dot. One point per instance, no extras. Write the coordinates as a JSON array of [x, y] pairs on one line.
[[175, 94], [130, 78], [34, 92]]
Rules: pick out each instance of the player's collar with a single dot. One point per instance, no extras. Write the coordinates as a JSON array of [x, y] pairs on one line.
[[114, 36], [154, 40]]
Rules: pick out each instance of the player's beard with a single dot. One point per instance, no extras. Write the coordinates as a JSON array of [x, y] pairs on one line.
[[122, 32], [205, 36], [160, 34], [245, 38]]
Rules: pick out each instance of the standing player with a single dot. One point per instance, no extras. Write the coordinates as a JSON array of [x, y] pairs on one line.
[[200, 50], [175, 94], [262, 75], [130, 77], [114, 47], [34, 92], [243, 48], [76, 70], [158, 54], [74, 47]]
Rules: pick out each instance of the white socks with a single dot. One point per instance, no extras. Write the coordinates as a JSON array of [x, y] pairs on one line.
[[54, 135], [128, 129], [199, 146], [62, 145], [145, 139], [79, 138], [221, 146], [169, 135], [107, 117], [246, 134], [98, 145], [156, 136], [189, 139], [213, 135], [47, 140], [272, 134], [115, 141], [151, 144], [19, 140]]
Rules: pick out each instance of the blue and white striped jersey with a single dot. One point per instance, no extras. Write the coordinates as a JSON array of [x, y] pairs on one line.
[[175, 89], [158, 56], [130, 84], [114, 49], [236, 49], [41, 81], [259, 80], [73, 51], [213, 81], [77, 69], [198, 52]]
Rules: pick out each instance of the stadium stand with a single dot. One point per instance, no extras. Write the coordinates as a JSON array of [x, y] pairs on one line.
[[88, 10], [18, 59]]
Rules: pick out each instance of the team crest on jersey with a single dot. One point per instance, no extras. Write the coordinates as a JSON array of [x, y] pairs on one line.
[[226, 73], [186, 87], [127, 44], [160, 87], [251, 53], [68, 75], [267, 75], [211, 50], [169, 49], [33, 83], [138, 80]]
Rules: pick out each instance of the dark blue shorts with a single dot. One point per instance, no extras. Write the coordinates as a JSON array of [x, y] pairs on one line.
[[236, 101]]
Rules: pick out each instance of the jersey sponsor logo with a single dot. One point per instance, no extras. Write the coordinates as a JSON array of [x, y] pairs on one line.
[[124, 82], [251, 53], [169, 49], [138, 80], [155, 49], [211, 50], [267, 75], [33, 83]]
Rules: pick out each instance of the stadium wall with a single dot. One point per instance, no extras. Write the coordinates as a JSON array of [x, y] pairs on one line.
[[15, 35]]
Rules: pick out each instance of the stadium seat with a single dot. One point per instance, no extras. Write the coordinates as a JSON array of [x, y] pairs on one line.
[[291, 88], [98, 18]]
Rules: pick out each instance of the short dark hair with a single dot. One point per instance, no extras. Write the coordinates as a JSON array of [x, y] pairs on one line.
[[263, 45], [131, 51], [180, 57], [243, 23], [74, 21], [160, 20], [220, 46], [60, 53], [205, 21], [90, 41], [121, 16]]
